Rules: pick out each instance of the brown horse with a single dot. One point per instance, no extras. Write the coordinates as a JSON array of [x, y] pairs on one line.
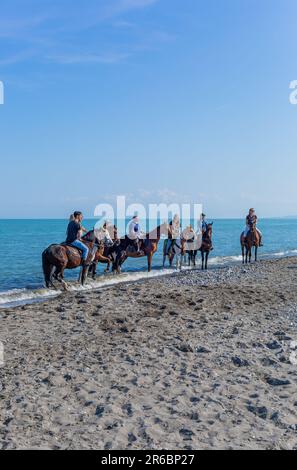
[[247, 243], [148, 247], [57, 258], [206, 246], [105, 254]]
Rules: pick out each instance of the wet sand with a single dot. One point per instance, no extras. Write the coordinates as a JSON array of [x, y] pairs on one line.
[[189, 361]]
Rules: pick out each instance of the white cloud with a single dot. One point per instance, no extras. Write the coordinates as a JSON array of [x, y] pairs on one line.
[[88, 58], [55, 32]]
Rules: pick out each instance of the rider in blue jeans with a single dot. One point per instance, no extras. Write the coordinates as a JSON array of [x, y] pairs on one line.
[[74, 233]]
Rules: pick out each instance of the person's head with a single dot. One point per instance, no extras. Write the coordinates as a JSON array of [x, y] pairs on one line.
[[71, 218], [78, 216], [203, 216], [176, 219], [252, 211]]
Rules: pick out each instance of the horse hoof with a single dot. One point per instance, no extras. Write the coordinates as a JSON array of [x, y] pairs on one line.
[[65, 286]]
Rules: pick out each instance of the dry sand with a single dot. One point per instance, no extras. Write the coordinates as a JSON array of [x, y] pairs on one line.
[[190, 361]]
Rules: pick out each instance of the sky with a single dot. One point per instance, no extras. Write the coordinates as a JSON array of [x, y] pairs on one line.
[[159, 100]]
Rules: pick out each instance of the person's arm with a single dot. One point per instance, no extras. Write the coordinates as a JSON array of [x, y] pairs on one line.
[[83, 229]]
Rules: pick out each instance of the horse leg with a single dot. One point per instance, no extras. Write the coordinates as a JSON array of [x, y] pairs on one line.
[[149, 261], [48, 270], [84, 274], [202, 256], [105, 260], [94, 270], [242, 250], [194, 257], [49, 277], [60, 277], [108, 266], [256, 254], [206, 260]]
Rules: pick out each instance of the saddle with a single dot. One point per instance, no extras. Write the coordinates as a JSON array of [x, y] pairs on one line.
[[71, 247]]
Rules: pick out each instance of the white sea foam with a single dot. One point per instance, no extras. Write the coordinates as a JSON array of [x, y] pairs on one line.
[[15, 297]]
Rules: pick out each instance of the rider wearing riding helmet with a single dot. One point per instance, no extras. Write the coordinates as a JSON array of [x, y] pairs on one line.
[[252, 220], [74, 232]]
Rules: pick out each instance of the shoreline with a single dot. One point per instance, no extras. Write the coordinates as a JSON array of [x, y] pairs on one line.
[[20, 296], [185, 361]]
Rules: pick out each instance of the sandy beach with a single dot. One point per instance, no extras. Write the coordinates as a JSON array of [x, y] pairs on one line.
[[188, 361]]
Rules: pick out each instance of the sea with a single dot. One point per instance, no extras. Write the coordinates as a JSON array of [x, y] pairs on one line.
[[23, 241]]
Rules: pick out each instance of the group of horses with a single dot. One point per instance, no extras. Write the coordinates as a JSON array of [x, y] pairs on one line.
[[59, 257]]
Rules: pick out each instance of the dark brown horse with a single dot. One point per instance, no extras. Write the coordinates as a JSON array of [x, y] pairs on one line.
[[105, 254], [57, 258], [252, 240], [148, 247], [206, 246]]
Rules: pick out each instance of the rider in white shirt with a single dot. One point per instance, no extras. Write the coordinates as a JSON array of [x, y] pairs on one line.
[[103, 235], [135, 233]]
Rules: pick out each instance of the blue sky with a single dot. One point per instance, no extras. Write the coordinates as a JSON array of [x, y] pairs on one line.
[[180, 100]]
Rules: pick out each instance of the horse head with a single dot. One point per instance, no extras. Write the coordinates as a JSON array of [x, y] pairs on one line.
[[209, 230], [253, 228]]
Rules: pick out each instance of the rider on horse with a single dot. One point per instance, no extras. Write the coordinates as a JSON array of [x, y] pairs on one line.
[[189, 234], [174, 232], [204, 228], [135, 234], [103, 235], [251, 221], [74, 232], [203, 223]]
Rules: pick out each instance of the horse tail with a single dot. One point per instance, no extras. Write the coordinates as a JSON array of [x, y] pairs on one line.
[[47, 268]]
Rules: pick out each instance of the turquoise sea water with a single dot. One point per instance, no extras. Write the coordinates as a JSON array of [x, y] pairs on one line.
[[22, 242]]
